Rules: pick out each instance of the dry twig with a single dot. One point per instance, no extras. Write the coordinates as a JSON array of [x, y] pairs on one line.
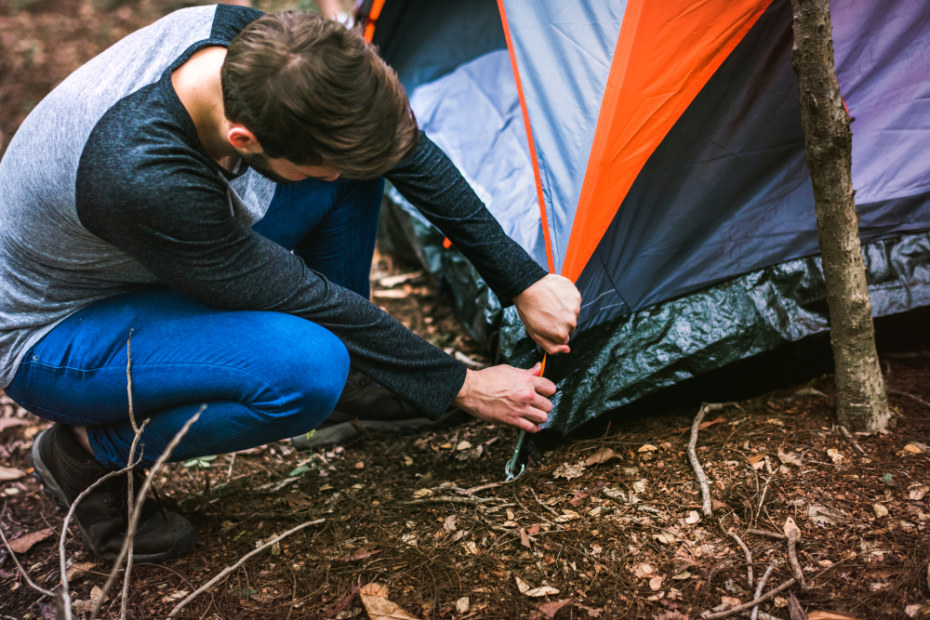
[[741, 608], [745, 549], [793, 534], [759, 587], [226, 571], [133, 524], [707, 506]]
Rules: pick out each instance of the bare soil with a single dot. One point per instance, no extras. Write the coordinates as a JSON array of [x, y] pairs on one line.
[[607, 523]]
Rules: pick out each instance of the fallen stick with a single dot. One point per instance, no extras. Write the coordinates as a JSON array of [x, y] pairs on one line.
[[740, 608], [456, 500], [739, 541], [794, 534], [707, 506], [226, 571], [766, 533], [765, 577], [133, 523]]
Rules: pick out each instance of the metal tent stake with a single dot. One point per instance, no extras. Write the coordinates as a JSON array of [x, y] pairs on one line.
[[515, 461]]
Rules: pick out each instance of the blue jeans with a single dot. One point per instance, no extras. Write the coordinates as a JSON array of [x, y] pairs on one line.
[[263, 376]]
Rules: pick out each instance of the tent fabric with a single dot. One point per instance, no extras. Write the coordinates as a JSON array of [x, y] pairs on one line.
[[665, 141]]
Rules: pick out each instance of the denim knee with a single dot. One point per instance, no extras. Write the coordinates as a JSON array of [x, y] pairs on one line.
[[307, 367]]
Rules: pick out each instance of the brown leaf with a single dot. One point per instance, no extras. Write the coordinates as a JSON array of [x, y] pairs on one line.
[[10, 473], [528, 590], [374, 598], [791, 529], [601, 456], [830, 615], [25, 542], [702, 426], [549, 610], [524, 539], [360, 555], [76, 570], [569, 470]]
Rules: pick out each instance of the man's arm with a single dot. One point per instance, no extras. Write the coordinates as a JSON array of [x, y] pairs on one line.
[[548, 305]]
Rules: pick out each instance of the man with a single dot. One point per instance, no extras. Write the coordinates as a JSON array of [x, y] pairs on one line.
[[211, 185]]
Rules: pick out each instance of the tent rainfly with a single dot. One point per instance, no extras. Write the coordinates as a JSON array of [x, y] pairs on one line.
[[652, 151]]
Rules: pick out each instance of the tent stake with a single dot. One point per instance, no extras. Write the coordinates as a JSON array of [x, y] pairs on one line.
[[515, 461]]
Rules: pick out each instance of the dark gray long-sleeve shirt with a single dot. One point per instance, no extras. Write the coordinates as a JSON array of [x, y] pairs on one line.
[[106, 187]]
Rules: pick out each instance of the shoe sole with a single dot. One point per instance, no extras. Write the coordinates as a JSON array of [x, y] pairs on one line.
[[51, 488]]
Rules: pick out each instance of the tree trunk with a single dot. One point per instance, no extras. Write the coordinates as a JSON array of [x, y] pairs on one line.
[[861, 402]]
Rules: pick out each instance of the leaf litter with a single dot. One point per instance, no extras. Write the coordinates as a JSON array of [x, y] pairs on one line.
[[602, 527]]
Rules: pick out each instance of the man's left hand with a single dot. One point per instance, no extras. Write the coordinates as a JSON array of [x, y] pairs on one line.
[[549, 311]]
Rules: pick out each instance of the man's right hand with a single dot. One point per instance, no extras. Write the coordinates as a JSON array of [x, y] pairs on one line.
[[507, 395]]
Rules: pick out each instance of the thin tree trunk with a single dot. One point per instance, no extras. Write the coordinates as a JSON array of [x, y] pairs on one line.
[[861, 402]]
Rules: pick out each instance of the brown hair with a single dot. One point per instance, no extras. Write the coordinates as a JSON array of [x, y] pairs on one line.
[[313, 91]]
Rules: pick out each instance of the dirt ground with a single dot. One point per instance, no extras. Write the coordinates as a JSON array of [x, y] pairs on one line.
[[604, 524]]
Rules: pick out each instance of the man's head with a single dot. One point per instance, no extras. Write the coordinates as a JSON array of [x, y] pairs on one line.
[[315, 93]]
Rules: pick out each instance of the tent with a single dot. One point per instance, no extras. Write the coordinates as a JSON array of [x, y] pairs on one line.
[[651, 150]]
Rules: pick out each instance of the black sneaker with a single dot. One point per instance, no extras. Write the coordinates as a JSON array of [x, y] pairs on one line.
[[66, 469], [366, 405]]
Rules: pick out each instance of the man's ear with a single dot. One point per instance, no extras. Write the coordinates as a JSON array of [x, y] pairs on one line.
[[242, 139]]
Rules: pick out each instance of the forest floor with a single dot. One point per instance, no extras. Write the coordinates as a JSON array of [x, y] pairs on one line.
[[606, 523]]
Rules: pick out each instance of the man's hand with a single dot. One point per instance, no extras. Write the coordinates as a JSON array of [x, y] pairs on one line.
[[507, 395], [549, 311]]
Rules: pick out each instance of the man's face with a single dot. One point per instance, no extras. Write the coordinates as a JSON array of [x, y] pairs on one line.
[[284, 171]]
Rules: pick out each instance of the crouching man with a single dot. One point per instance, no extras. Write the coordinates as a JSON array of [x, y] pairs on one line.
[[211, 183]]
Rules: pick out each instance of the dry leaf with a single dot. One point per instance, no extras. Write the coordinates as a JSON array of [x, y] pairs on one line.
[[25, 542], [463, 445], [655, 584], [450, 524], [360, 555], [835, 455], [462, 605], [789, 459], [10, 473], [421, 493], [791, 529], [601, 456], [917, 491], [647, 447], [702, 426], [549, 610], [174, 596], [693, 517], [567, 515], [528, 590], [823, 515], [374, 598], [569, 470], [915, 447], [642, 570], [524, 539], [829, 615], [880, 510], [76, 570]]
